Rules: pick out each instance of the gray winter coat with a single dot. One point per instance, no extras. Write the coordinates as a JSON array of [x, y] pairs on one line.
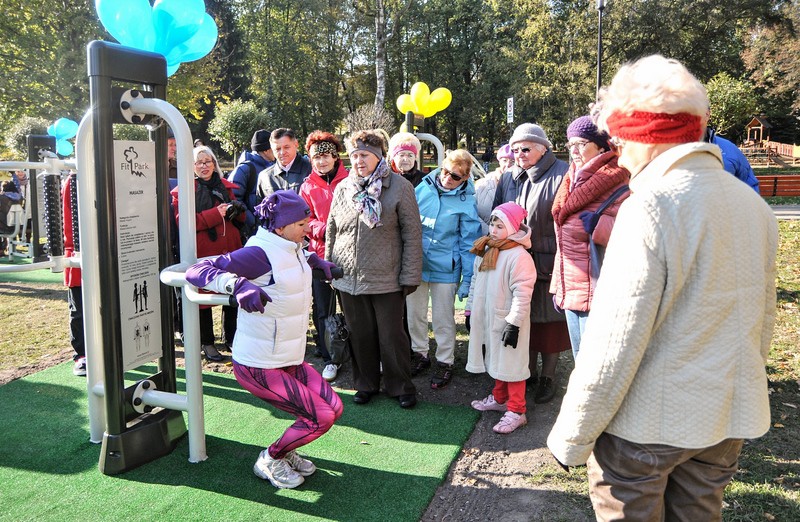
[[535, 190], [376, 260]]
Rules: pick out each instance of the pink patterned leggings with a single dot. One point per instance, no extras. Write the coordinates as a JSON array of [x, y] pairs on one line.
[[298, 390]]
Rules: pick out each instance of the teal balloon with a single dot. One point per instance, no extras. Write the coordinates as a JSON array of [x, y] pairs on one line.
[[199, 45], [51, 130], [64, 129], [128, 21], [176, 21], [64, 148], [172, 69]]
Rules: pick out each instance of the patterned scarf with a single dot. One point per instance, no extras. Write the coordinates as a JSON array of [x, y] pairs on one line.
[[490, 255], [365, 193]]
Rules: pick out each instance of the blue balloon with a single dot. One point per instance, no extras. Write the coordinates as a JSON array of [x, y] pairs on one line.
[[51, 130], [64, 148], [199, 45], [175, 21], [129, 21], [64, 129], [172, 69], [203, 41]]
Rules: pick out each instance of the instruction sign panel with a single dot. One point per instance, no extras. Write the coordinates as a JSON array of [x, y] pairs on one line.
[[137, 247]]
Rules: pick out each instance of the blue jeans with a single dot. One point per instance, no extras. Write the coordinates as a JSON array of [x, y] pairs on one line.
[[576, 322]]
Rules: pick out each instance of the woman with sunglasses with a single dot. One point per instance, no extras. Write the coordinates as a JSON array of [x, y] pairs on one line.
[[450, 225], [593, 177], [533, 184], [215, 211]]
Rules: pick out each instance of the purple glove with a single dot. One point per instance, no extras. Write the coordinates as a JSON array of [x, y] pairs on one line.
[[251, 297], [314, 261], [590, 220]]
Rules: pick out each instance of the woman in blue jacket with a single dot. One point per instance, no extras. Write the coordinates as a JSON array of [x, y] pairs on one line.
[[450, 225]]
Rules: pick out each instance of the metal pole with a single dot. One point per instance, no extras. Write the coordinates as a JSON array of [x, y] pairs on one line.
[[601, 4]]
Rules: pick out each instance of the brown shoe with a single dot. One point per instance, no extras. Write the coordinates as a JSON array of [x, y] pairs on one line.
[[419, 363]]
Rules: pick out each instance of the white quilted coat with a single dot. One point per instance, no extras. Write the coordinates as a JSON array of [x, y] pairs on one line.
[[497, 297], [677, 339]]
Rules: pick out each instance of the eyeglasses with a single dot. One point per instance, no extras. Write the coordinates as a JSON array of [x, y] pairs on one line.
[[579, 144], [523, 150], [454, 177], [203, 163]]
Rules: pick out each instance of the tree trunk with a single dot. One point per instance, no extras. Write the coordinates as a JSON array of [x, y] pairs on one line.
[[380, 53]]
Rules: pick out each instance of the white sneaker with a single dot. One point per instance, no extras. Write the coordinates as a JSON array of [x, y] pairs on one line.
[[330, 372], [277, 471], [510, 422], [79, 368], [302, 466], [488, 404]]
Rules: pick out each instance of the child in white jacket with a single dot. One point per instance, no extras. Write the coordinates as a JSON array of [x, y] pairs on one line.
[[498, 313]]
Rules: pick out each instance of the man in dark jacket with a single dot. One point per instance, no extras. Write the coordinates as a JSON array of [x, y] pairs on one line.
[[533, 183], [290, 169], [245, 175]]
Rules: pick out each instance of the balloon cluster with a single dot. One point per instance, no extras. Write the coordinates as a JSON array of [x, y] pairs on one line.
[[62, 130], [423, 102], [181, 30]]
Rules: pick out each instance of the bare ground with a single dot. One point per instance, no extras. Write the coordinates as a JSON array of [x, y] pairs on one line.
[[494, 477]]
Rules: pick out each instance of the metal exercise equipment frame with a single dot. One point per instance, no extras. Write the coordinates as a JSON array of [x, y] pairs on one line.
[[142, 422]]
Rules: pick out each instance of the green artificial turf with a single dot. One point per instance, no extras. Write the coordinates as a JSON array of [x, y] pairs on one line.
[[34, 276], [379, 462]]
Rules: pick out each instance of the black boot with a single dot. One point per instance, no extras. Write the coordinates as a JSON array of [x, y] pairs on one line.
[[545, 391]]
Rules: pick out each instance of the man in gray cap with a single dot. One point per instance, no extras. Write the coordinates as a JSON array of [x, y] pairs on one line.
[[533, 183], [245, 176]]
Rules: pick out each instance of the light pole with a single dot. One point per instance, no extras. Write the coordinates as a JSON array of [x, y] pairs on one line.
[[601, 4]]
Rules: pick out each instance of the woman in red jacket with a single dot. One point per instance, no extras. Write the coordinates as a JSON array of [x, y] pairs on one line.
[[216, 211], [317, 190], [592, 178]]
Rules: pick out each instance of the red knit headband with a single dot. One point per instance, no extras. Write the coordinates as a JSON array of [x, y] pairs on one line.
[[655, 127]]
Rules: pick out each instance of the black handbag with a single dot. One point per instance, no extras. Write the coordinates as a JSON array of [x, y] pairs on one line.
[[337, 335]]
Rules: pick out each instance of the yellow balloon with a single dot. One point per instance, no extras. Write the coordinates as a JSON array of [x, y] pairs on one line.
[[441, 98], [420, 93], [405, 103], [429, 109], [403, 127]]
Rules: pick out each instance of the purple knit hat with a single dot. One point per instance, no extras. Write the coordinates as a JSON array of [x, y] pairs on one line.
[[505, 152], [282, 208], [585, 128]]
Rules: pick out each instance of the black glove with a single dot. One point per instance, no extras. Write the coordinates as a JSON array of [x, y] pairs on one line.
[[560, 464], [236, 208], [466, 322], [407, 290], [510, 335], [590, 220]]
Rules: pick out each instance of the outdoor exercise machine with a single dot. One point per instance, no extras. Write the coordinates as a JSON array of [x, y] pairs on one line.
[[44, 190], [124, 222]]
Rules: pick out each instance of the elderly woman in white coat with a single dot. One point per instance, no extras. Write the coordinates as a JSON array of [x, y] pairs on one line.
[[671, 376]]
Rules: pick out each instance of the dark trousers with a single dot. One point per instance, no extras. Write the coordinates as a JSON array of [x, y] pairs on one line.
[[321, 293], [230, 316], [377, 336], [76, 339], [206, 326]]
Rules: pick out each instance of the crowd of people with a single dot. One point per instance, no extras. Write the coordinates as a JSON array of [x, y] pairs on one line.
[[669, 339]]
